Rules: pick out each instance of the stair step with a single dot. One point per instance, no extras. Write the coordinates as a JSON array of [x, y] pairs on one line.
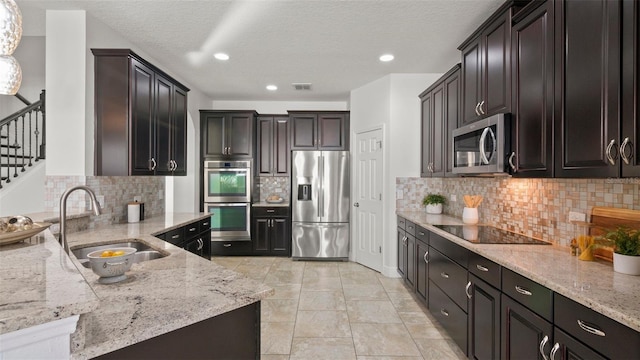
[[5, 165], [16, 156], [10, 146]]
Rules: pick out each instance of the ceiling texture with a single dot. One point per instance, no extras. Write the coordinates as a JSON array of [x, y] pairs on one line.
[[334, 45]]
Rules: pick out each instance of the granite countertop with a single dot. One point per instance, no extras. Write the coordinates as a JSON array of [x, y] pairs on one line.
[[157, 297], [266, 204], [593, 284]]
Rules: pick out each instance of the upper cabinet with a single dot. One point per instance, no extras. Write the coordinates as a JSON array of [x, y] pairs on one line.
[[629, 148], [588, 79], [440, 114], [319, 130], [227, 134], [486, 68], [274, 151], [140, 117]]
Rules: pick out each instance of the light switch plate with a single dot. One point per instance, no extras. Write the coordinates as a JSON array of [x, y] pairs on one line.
[[137, 198], [577, 216], [453, 198], [160, 194]]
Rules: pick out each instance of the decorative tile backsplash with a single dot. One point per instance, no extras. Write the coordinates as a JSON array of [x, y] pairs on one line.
[[536, 207], [117, 192], [276, 185]]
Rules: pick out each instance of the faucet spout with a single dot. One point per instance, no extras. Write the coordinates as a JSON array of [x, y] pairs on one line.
[[63, 212]]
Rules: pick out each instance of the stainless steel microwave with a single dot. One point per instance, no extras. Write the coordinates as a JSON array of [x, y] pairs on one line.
[[483, 147]]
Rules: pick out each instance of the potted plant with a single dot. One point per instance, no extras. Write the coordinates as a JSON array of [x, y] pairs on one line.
[[433, 203], [626, 250]]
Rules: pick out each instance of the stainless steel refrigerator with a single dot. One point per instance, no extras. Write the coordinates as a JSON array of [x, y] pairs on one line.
[[320, 204]]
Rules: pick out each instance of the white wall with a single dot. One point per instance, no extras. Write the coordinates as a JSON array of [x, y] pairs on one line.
[[278, 107], [25, 194], [392, 102]]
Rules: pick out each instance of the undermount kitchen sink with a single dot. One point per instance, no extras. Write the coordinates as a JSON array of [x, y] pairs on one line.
[[144, 252]]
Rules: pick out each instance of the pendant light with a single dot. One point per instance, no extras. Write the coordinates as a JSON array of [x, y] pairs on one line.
[[10, 35]]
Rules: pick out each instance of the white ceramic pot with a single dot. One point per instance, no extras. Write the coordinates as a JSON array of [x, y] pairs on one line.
[[626, 264], [434, 209], [470, 215]]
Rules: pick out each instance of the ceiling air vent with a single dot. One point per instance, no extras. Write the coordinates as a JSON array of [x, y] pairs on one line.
[[301, 86]]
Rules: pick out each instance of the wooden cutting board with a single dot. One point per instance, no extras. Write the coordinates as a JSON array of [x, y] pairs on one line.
[[604, 219]]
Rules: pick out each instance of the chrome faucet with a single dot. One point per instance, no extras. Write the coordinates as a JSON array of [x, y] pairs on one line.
[[63, 212]]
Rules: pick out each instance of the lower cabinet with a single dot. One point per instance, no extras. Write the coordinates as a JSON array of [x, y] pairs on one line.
[[271, 231], [194, 237], [422, 271], [410, 277], [524, 334], [402, 253], [484, 320], [569, 348], [449, 315]]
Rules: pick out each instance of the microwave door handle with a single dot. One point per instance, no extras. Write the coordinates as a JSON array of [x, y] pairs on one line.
[[483, 139]]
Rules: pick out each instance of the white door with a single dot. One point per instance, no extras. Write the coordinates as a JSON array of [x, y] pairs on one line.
[[367, 201]]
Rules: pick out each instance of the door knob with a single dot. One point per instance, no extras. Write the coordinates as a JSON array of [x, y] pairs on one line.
[[356, 205]]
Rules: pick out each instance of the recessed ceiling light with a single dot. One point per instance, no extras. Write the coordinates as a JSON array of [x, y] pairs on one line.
[[221, 56], [386, 57], [272, 87]]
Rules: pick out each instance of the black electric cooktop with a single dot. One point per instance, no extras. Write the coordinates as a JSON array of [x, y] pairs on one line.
[[479, 234]]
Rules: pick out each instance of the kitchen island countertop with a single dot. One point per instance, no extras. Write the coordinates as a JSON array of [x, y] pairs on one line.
[[607, 292]]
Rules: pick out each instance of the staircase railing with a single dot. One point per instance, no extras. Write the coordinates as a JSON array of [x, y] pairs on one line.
[[22, 140]]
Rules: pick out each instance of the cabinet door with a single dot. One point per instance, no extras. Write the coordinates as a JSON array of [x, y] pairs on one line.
[[260, 232], [425, 143], [402, 253], [484, 320], [630, 131], [411, 261], [437, 132], [572, 349], [239, 133], [452, 116], [280, 239], [179, 129], [471, 82], [281, 146], [303, 131], [332, 132], [422, 271], [163, 113], [213, 128], [532, 55], [142, 125], [496, 67], [587, 120], [523, 332], [265, 145], [194, 246]]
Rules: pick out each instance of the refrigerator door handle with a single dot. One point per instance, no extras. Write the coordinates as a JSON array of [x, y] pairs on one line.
[[320, 191]]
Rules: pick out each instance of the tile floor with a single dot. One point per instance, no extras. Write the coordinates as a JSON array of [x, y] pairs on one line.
[[340, 310]]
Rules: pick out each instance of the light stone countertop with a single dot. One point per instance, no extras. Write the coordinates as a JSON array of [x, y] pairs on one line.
[[266, 204], [157, 297], [610, 293]]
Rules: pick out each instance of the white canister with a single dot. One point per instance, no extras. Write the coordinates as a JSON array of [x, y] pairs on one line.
[[133, 212], [470, 215]]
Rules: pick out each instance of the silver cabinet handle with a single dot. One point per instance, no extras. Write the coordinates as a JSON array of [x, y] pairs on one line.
[[444, 275], [200, 244], [152, 164], [554, 350], [229, 152], [271, 210], [511, 164], [175, 236], [226, 245], [543, 343], [623, 151], [477, 113], [523, 291], [421, 233], [444, 312], [590, 329], [205, 224], [426, 253], [467, 288], [192, 229], [481, 268], [175, 165], [611, 159], [480, 107]]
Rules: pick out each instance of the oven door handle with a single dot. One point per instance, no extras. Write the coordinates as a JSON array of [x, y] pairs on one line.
[[228, 204]]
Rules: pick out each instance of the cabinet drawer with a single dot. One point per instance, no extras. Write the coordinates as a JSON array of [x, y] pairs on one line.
[[452, 250], [529, 293], [607, 336], [449, 276], [422, 234], [410, 228], [449, 315], [175, 236], [485, 269], [270, 211], [231, 248], [191, 230], [205, 224], [402, 223]]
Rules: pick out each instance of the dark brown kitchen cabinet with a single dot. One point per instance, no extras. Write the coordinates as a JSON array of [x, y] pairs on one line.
[[533, 94], [484, 320], [422, 271], [312, 130], [523, 332], [587, 82], [629, 148], [440, 110], [402, 253], [449, 315], [194, 237], [270, 234], [141, 115], [410, 276], [568, 348], [227, 134], [486, 68], [274, 150]]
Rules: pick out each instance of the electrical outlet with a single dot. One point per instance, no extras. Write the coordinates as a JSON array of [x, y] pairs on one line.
[[399, 194], [453, 198], [160, 194], [137, 198], [577, 216]]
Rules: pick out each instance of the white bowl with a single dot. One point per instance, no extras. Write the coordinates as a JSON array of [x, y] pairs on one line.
[[111, 269]]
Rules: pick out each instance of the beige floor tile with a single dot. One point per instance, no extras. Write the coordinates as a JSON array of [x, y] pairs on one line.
[[420, 326], [360, 278], [389, 357], [322, 300], [433, 349], [321, 284], [347, 267], [403, 301], [322, 348], [324, 271], [378, 312], [275, 338], [288, 264], [273, 357], [322, 324], [258, 260], [257, 272], [278, 310], [321, 264], [383, 339], [228, 262], [286, 291], [278, 277], [392, 284], [364, 292]]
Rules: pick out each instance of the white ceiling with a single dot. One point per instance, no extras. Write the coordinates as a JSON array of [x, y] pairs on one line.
[[332, 44]]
